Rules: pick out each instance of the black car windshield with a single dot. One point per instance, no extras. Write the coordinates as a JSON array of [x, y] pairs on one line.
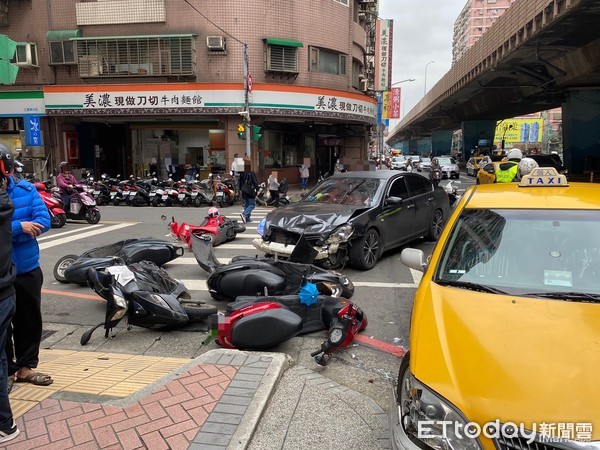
[[345, 191], [540, 253]]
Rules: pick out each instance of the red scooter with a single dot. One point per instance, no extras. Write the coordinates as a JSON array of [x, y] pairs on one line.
[[219, 228], [58, 217], [254, 323]]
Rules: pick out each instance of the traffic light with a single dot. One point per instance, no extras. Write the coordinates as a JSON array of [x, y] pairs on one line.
[[256, 134], [241, 131]]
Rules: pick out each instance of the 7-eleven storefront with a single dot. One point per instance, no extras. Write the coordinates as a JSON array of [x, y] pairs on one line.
[[167, 128]]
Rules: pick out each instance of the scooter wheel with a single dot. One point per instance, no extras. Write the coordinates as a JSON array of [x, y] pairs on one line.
[[199, 313], [197, 202], [92, 216], [58, 221], [116, 202], [61, 265]]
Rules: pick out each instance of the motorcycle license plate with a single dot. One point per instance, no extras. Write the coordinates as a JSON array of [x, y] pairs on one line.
[[181, 196], [194, 194], [220, 194], [165, 196], [113, 194], [96, 192], [132, 193]]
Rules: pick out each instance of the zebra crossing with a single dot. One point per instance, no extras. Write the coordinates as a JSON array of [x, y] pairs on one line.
[[242, 244]]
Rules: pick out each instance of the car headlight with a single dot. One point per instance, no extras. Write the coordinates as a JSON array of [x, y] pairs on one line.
[[428, 418], [340, 234]]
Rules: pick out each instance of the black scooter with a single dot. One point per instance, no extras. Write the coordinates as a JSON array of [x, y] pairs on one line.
[[73, 268], [266, 276], [147, 295]]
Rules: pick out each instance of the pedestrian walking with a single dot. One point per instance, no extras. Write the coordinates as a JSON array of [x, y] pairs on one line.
[[304, 174], [248, 188], [30, 219], [8, 428], [273, 184]]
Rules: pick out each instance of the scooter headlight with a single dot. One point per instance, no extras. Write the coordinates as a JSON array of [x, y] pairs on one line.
[[336, 335], [121, 305], [340, 234]]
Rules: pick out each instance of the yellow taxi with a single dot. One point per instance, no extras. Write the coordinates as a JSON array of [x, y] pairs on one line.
[[505, 328]]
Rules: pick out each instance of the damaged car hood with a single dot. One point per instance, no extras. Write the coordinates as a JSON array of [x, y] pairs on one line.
[[311, 218]]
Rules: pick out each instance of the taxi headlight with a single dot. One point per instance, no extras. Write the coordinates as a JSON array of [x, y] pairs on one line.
[[340, 234], [429, 419]]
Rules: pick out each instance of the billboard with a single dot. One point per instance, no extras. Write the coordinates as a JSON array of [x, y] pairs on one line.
[[391, 104], [519, 130], [383, 54]]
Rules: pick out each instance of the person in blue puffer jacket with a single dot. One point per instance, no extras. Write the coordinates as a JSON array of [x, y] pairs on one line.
[[30, 219]]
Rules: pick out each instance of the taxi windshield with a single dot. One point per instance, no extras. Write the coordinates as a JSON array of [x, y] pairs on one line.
[[542, 253]]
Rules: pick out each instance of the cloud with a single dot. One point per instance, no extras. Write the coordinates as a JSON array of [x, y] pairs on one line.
[[422, 33]]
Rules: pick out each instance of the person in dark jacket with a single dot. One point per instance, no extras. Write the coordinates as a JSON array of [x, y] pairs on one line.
[[66, 180], [248, 188], [8, 428], [29, 220]]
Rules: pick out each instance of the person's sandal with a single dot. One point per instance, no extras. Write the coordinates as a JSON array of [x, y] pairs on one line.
[[37, 378]]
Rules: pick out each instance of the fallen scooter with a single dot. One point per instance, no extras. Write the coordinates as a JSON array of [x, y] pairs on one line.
[[266, 276], [218, 228], [73, 268], [255, 323], [147, 295]]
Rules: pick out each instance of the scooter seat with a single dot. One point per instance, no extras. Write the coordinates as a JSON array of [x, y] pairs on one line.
[[265, 329], [252, 281]]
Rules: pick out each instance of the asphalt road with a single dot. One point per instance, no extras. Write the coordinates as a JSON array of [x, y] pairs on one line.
[[385, 293]]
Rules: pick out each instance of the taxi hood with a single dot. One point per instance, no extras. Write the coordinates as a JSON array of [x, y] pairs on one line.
[[312, 218], [519, 359]]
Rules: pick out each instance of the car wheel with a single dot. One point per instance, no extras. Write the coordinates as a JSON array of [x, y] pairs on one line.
[[61, 265], [365, 251], [401, 388], [436, 226]]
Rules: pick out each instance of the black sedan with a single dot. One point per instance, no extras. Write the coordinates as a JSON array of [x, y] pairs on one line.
[[356, 216]]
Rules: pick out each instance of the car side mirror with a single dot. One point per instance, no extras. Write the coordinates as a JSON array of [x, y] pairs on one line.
[[393, 201], [413, 258]]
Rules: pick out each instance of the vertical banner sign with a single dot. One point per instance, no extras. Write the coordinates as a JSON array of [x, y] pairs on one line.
[[386, 105], [379, 96], [383, 54], [395, 108], [33, 131]]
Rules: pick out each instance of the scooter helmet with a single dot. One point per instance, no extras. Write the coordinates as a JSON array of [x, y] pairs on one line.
[[514, 153], [6, 162], [526, 166], [213, 212]]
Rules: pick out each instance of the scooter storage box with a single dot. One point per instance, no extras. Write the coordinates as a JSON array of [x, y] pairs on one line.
[[265, 329]]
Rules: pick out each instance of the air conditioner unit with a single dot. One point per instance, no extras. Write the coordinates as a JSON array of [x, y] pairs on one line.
[[364, 85], [215, 43], [362, 16], [25, 55], [90, 66]]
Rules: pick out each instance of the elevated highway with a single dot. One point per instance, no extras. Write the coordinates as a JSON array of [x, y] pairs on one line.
[[539, 55]]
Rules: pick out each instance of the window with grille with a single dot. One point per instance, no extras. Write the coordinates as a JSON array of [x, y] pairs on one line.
[[282, 58], [136, 56]]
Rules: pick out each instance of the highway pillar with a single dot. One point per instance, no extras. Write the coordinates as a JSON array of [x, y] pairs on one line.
[[475, 134], [441, 142], [581, 131]]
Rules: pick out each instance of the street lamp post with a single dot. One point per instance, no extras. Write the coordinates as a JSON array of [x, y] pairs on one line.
[[425, 80]]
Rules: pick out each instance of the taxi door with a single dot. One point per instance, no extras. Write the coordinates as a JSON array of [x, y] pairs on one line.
[[396, 220]]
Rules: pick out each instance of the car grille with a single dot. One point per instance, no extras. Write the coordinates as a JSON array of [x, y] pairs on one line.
[[521, 443], [282, 236]]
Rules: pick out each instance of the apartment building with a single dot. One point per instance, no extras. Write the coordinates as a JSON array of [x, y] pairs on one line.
[[119, 86]]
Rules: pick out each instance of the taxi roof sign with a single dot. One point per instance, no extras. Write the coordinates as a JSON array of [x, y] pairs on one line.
[[544, 177]]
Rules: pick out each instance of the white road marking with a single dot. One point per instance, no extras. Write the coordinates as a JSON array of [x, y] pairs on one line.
[[60, 234], [65, 240]]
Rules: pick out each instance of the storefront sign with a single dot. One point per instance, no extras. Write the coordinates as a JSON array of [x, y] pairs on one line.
[[383, 54], [33, 131], [19, 103], [199, 98]]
